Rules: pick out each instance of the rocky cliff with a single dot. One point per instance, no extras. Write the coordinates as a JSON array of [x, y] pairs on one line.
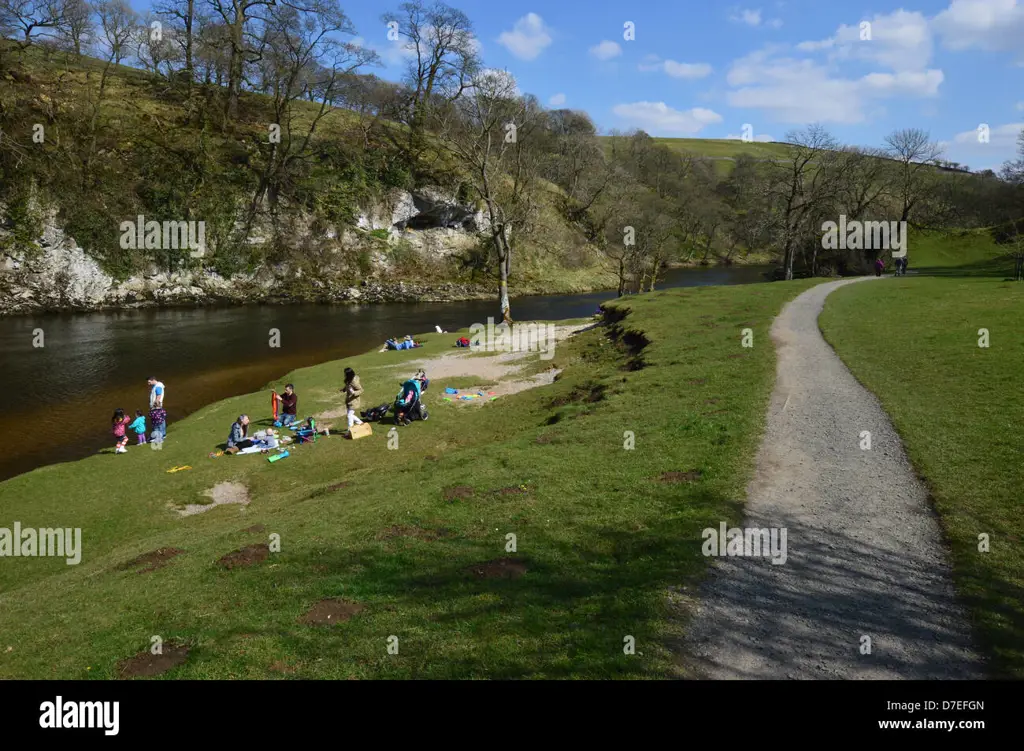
[[56, 274]]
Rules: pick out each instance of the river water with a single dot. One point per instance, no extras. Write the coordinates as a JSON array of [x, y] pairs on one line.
[[56, 400]]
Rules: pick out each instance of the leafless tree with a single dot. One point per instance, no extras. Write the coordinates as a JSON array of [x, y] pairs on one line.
[[443, 60], [914, 176], [32, 19], [492, 132]]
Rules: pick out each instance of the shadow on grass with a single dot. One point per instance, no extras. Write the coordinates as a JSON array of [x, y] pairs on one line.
[[579, 598], [1001, 267]]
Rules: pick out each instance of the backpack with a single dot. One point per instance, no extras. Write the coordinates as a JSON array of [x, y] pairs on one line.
[[377, 413]]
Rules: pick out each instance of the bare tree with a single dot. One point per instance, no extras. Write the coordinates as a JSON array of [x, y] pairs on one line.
[[914, 153], [802, 184], [1013, 170], [30, 19], [298, 51], [237, 17], [183, 18], [77, 30], [492, 133], [442, 61]]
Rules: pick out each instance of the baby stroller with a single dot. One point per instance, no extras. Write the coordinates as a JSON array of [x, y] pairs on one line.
[[409, 403]]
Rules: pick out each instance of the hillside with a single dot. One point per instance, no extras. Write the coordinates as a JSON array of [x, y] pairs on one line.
[[119, 142]]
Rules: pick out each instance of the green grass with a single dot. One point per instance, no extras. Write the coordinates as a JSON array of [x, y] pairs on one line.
[[959, 409], [731, 148], [603, 539], [959, 253]]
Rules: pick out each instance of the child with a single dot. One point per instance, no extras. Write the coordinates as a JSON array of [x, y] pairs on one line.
[[119, 422], [353, 392], [879, 266], [139, 426], [158, 416]]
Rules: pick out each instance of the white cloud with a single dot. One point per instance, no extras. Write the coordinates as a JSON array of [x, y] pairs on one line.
[[999, 137], [606, 50], [900, 40], [557, 100], [676, 69], [497, 80], [528, 38], [802, 91], [687, 70], [983, 24], [1020, 106], [749, 17], [658, 117], [775, 23], [396, 53]]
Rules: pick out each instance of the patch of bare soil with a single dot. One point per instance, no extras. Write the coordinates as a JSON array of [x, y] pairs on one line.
[[280, 666], [691, 476], [255, 528], [150, 561], [458, 491], [329, 612], [499, 568], [145, 664], [222, 493], [511, 490], [588, 393], [250, 555]]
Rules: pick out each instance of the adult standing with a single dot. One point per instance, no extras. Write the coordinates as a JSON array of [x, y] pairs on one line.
[[353, 391], [157, 413]]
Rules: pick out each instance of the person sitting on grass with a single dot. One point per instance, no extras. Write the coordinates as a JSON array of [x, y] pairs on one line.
[[289, 401], [238, 437]]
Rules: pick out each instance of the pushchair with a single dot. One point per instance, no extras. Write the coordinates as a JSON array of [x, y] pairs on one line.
[[409, 402]]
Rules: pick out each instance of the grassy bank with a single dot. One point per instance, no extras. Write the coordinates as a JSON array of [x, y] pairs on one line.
[[601, 538], [959, 408]]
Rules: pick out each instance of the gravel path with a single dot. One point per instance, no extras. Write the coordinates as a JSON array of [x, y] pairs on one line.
[[865, 556]]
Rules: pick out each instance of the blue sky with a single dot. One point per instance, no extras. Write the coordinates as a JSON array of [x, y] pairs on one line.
[[706, 69]]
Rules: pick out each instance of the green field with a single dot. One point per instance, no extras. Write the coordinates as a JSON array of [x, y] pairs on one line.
[[958, 407], [966, 253], [603, 537]]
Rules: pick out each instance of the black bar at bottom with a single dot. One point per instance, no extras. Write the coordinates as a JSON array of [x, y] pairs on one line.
[[263, 711]]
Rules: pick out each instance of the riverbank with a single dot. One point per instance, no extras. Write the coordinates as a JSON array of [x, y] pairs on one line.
[[71, 283], [414, 541], [66, 372]]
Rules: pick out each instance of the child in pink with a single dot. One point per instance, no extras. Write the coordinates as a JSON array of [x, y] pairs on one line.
[[120, 425]]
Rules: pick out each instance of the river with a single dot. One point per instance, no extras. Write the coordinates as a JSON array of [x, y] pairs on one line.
[[56, 400]]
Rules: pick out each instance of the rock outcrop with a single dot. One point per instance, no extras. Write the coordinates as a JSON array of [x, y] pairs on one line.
[[57, 274]]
